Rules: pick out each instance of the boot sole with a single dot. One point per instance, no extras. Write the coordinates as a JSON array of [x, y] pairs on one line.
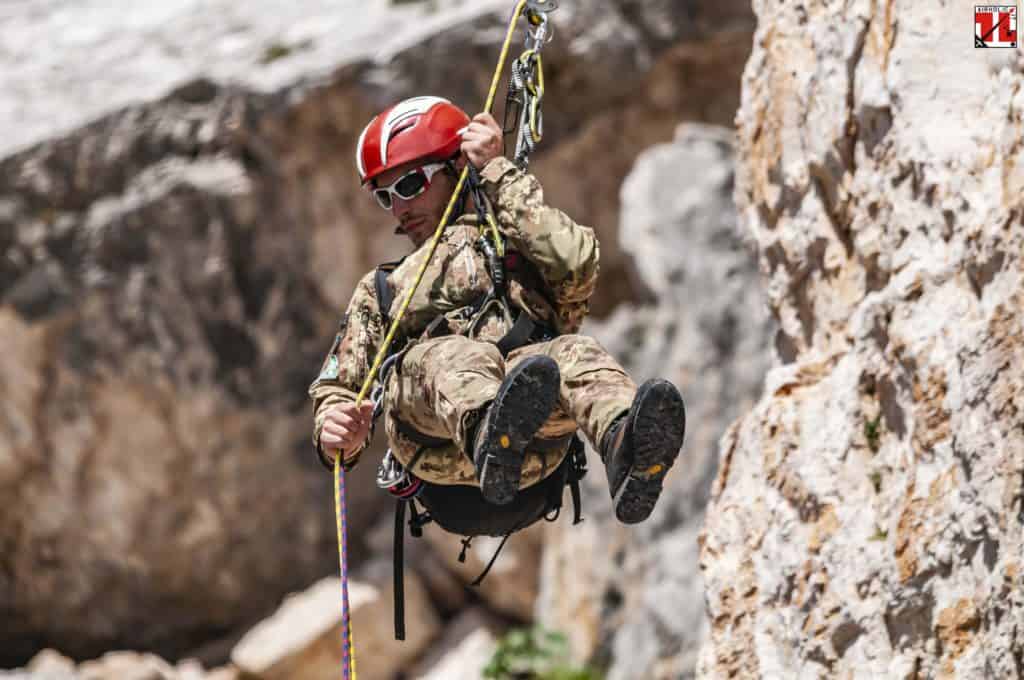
[[525, 401], [658, 430]]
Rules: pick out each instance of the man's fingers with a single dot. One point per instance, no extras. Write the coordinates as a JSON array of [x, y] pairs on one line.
[[485, 122], [345, 429], [329, 440], [343, 435], [480, 130], [361, 418], [341, 420], [336, 430]]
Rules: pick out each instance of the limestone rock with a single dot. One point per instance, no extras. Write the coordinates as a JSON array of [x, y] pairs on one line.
[[866, 520], [631, 596], [51, 665], [463, 651], [224, 673], [127, 666], [303, 639], [190, 669], [48, 664]]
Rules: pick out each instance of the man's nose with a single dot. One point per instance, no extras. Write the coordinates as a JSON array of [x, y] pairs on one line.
[[399, 206]]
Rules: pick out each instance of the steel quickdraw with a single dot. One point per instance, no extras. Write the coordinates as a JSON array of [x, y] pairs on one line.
[[536, 12], [523, 116]]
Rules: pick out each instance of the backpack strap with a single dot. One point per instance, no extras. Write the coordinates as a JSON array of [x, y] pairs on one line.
[[384, 295], [520, 334], [577, 471], [417, 437], [416, 523], [398, 562]]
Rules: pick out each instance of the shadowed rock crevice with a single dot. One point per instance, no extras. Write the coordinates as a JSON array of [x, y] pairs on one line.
[[873, 125]]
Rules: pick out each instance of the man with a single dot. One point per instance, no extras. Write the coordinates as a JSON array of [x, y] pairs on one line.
[[492, 379]]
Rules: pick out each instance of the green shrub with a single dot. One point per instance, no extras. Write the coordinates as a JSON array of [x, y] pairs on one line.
[[534, 654]]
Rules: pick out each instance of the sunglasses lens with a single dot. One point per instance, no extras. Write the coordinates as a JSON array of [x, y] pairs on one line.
[[383, 198], [411, 185]]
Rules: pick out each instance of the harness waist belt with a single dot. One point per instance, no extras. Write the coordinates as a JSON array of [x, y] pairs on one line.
[[417, 437]]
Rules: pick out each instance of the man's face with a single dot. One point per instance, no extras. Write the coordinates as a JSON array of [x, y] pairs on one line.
[[418, 216]]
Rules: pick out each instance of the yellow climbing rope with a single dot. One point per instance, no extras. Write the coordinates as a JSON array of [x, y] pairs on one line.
[[348, 645]]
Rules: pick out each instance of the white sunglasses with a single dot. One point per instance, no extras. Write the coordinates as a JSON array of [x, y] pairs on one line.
[[408, 186]]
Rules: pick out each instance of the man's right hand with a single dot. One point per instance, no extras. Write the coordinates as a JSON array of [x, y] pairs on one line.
[[345, 429]]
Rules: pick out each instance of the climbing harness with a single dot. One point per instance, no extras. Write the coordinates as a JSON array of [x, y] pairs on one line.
[[536, 13]]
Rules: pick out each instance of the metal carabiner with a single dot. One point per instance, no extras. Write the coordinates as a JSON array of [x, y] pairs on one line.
[[540, 35], [390, 472], [537, 17]]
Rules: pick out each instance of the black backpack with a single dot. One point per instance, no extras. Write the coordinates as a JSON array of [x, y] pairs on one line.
[[462, 510]]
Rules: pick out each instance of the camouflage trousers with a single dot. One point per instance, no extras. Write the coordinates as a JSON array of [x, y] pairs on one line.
[[443, 380]]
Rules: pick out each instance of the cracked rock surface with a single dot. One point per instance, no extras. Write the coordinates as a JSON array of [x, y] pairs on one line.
[[868, 515]]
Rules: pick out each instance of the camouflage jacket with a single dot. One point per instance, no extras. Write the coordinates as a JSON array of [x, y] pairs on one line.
[[556, 277]]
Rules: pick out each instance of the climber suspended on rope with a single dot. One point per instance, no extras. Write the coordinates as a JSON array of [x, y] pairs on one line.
[[472, 340]]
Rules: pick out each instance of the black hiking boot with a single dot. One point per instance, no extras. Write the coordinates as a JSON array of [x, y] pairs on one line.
[[640, 447], [523, 403]]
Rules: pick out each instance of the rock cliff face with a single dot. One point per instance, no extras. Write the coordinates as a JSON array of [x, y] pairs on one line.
[[868, 516], [171, 273]]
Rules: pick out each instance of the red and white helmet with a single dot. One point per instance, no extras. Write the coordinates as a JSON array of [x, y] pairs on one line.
[[421, 128]]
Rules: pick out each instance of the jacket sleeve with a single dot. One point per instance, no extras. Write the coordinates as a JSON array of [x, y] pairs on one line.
[[348, 362], [565, 253]]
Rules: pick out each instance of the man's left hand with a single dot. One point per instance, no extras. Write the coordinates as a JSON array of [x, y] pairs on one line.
[[482, 140]]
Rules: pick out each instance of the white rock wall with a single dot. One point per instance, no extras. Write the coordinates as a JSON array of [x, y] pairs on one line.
[[867, 518]]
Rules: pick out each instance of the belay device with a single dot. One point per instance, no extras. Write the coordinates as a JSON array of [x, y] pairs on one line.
[[458, 509]]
